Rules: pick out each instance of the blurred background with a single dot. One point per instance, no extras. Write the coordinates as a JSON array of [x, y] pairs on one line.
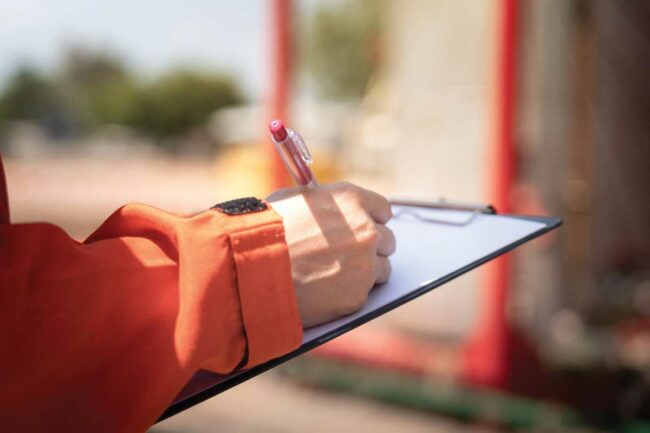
[[535, 107]]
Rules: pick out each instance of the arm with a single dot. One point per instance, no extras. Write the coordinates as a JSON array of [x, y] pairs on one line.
[[102, 335]]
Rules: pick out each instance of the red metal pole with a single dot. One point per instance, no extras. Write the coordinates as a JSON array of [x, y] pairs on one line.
[[489, 350], [280, 91]]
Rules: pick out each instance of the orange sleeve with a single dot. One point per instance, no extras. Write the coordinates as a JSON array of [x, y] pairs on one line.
[[101, 335]]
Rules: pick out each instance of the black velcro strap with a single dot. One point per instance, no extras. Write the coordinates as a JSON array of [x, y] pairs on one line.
[[241, 206]]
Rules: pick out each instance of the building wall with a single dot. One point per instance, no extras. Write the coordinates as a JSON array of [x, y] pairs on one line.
[[440, 63], [426, 127]]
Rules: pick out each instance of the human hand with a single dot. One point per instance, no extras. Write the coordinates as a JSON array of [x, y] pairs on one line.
[[338, 245]]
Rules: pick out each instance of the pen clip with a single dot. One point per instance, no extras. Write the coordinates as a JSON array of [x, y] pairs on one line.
[[297, 140]]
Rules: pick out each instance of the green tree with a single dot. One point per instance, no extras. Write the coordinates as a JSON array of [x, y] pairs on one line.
[[182, 100], [29, 95], [101, 88], [343, 47], [94, 88]]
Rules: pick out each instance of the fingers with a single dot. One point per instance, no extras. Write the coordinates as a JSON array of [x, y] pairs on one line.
[[386, 241], [382, 269], [377, 206]]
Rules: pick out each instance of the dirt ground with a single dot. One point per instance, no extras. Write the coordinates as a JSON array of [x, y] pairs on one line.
[[269, 404]]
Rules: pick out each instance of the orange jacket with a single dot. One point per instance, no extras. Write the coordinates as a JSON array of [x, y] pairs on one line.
[[101, 335]]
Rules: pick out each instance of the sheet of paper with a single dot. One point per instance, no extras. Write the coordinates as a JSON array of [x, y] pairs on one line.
[[429, 251]]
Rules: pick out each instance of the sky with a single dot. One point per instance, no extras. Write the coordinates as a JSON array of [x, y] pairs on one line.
[[150, 35]]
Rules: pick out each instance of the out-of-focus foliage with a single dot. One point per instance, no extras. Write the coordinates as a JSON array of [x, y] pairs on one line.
[[100, 87], [31, 96], [95, 88], [343, 47], [181, 100]]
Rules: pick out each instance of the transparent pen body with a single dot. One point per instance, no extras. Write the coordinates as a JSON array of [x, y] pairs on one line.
[[296, 157]]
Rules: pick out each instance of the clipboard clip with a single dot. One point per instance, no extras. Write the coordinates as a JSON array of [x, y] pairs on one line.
[[442, 204]]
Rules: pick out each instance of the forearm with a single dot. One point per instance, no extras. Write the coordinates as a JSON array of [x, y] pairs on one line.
[[114, 327]]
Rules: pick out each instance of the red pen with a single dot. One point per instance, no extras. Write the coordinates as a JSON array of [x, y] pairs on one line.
[[294, 153]]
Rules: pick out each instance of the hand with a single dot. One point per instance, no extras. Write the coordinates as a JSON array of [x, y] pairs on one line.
[[338, 245]]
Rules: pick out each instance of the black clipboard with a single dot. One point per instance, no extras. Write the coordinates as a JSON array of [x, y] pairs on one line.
[[205, 385]]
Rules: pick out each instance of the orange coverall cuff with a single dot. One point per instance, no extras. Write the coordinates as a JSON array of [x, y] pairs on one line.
[[266, 291]]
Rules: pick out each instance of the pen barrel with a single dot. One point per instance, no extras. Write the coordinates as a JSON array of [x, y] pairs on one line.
[[295, 163]]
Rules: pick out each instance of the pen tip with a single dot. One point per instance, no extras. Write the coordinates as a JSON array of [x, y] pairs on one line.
[[278, 130]]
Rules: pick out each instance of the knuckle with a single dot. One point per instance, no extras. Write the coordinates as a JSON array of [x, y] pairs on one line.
[[344, 186], [384, 210], [388, 209], [351, 191], [392, 240], [371, 236], [373, 233]]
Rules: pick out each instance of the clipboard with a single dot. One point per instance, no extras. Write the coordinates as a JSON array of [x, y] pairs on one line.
[[459, 237]]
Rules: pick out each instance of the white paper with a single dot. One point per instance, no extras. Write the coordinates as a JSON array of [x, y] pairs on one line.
[[429, 251]]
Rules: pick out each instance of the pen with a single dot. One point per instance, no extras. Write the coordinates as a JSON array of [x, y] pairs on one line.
[[294, 153]]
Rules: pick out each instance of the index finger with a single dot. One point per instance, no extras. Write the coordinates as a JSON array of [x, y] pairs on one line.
[[378, 206]]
